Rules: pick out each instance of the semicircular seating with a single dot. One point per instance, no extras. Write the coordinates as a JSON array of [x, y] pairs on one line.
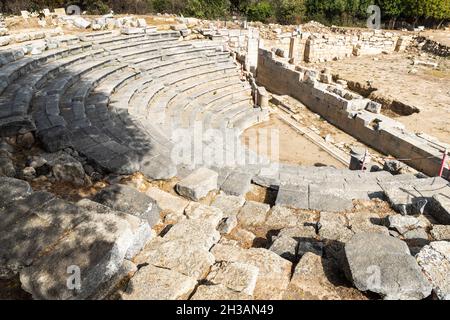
[[116, 99], [119, 100]]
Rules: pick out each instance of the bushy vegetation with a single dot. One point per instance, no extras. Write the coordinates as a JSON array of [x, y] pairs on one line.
[[343, 12]]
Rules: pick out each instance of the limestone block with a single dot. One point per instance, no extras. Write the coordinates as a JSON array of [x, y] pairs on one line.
[[198, 184], [153, 283]]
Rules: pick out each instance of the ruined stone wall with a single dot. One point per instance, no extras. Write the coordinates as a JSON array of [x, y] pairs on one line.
[[348, 112], [326, 47], [434, 47]]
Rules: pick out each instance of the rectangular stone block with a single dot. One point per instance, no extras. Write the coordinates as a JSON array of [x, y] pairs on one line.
[[198, 184]]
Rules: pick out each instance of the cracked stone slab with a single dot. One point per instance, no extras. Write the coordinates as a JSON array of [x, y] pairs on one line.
[[198, 184], [384, 265]]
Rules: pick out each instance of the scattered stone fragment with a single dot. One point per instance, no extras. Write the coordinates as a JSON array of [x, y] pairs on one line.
[[402, 223], [153, 283], [441, 232], [333, 226], [285, 247], [253, 214], [198, 184], [383, 265], [230, 205], [274, 271], [228, 224], [317, 278], [434, 259]]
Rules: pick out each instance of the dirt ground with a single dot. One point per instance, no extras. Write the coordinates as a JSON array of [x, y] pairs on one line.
[[293, 147], [396, 78]]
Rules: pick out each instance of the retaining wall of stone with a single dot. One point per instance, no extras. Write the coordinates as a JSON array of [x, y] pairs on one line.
[[326, 47], [375, 130]]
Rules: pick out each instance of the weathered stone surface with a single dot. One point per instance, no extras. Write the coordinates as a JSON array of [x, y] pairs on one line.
[[434, 260], [402, 223], [382, 264], [440, 208], [198, 184], [12, 189], [179, 255], [6, 167], [416, 234], [110, 287], [317, 278], [66, 168], [325, 198], [299, 232], [441, 232], [236, 276], [244, 237], [37, 230], [167, 202], [228, 224], [104, 239], [285, 247], [153, 283], [230, 205], [274, 271], [333, 226], [281, 217], [237, 184], [365, 222], [142, 233], [205, 214], [131, 201], [253, 214], [293, 196], [218, 292], [373, 107], [196, 232]]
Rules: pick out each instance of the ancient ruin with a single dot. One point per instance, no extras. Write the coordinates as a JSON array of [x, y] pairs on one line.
[[164, 157]]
